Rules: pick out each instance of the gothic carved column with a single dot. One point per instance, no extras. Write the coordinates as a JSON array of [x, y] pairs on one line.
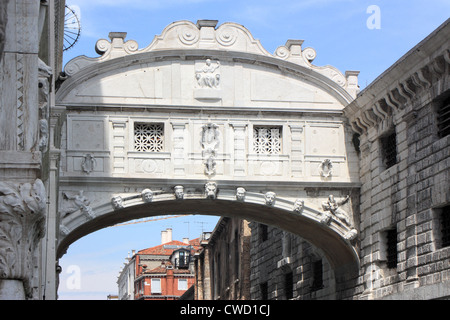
[[22, 225], [3, 21]]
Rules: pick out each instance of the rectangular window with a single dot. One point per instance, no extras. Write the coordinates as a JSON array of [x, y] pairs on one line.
[[389, 149], [391, 254], [156, 286], [182, 284], [148, 137], [317, 273], [443, 118], [267, 140]]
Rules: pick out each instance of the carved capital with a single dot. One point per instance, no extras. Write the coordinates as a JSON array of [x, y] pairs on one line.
[[22, 222]]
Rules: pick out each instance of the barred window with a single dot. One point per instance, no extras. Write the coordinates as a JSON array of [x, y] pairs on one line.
[[148, 137], [264, 291], [289, 285], [317, 273], [389, 149], [445, 226], [264, 235], [391, 248], [443, 118], [267, 140]]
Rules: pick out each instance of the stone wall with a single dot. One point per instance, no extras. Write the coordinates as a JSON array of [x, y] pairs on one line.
[[283, 267]]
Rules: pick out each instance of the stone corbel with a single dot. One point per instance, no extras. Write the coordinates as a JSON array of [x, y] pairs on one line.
[[22, 225]]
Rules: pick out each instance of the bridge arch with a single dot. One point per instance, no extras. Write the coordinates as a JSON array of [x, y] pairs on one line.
[[320, 228]]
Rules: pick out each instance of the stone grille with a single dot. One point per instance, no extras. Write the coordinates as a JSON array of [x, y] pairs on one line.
[[444, 119], [148, 137], [267, 140]]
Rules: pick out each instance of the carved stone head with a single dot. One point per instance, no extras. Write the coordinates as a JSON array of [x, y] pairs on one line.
[[147, 195], [179, 192], [240, 194], [298, 205], [270, 198], [117, 202], [211, 190]]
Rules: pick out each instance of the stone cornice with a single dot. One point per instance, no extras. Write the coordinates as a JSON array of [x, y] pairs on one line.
[[400, 85]]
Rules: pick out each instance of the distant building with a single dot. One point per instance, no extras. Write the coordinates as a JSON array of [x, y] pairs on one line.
[[222, 268], [163, 272]]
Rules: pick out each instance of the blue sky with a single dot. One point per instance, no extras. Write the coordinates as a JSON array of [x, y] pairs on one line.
[[336, 29]]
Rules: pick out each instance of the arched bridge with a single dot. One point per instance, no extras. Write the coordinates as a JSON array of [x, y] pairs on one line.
[[244, 132]]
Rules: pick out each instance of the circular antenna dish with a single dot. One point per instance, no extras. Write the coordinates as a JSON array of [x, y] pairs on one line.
[[72, 28]]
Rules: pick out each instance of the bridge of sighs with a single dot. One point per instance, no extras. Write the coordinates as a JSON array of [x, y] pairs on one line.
[[205, 121]]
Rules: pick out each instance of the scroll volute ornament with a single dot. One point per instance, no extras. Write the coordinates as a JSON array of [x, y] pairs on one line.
[[22, 222]]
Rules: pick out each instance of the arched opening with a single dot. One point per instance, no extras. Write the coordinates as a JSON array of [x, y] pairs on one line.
[[339, 251], [330, 239]]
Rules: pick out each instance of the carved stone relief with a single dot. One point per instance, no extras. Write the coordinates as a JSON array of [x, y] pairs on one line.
[[45, 73], [208, 76], [88, 164], [210, 143], [326, 168], [74, 202], [332, 207]]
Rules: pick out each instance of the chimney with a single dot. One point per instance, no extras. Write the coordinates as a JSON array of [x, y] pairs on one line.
[[163, 237], [186, 240], [166, 235]]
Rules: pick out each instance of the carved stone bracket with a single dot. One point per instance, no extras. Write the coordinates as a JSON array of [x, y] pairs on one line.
[[22, 225], [399, 96]]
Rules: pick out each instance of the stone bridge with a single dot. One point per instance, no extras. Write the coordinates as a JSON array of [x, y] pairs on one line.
[[205, 121]]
